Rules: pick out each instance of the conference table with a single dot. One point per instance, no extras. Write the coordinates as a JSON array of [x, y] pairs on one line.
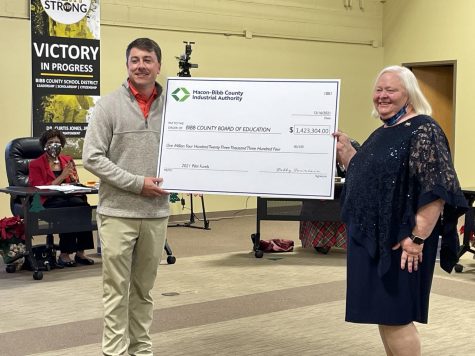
[[329, 210], [469, 226], [291, 209], [40, 221]]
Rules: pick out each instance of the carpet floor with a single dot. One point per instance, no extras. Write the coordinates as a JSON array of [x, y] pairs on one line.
[[218, 299]]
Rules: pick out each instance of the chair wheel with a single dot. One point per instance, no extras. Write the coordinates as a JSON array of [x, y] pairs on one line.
[[37, 275], [10, 268], [458, 268], [171, 260], [259, 254], [47, 266]]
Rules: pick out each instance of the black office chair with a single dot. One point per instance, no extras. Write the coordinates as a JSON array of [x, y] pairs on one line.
[[18, 154]]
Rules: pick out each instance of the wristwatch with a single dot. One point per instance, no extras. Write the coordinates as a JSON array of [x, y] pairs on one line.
[[416, 239]]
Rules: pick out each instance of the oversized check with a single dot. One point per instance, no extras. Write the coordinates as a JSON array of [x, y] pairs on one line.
[[258, 137]]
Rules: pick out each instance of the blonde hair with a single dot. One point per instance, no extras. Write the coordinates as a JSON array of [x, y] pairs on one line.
[[409, 81]]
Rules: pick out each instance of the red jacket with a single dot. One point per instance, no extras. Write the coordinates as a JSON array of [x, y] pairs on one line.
[[40, 172]]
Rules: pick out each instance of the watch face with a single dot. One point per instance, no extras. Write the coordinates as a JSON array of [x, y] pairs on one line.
[[417, 240]]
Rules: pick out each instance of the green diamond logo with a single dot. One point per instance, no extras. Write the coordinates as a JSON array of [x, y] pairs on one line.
[[181, 94]]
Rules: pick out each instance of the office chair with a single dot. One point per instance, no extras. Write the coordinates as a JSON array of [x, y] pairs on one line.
[[18, 154]]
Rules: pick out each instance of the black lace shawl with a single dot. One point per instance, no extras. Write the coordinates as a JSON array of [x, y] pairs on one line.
[[398, 170]]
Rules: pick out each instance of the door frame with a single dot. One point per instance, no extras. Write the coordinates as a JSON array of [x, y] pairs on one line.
[[453, 64]]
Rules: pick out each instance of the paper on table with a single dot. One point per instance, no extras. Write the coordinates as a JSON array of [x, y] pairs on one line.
[[65, 188]]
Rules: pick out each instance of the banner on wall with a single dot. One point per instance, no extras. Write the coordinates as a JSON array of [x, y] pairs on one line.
[[65, 48]]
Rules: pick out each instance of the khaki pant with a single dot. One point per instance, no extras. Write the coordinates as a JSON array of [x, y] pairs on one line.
[[131, 252]]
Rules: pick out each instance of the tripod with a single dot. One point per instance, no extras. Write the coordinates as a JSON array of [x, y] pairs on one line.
[[185, 66], [184, 61]]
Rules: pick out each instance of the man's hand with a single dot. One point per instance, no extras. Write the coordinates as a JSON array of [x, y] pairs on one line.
[[151, 187]]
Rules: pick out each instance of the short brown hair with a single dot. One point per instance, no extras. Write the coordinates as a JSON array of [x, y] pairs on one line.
[[145, 44]]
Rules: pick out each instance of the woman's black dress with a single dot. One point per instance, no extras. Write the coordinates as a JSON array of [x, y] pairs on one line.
[[70, 242], [397, 170]]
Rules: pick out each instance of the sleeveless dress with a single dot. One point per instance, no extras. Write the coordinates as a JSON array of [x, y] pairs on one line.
[[396, 171]]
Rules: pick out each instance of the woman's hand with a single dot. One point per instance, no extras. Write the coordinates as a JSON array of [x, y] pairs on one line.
[[426, 218], [344, 150], [69, 170], [411, 254]]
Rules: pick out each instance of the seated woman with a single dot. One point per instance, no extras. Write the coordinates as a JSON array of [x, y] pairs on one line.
[[323, 235], [54, 168]]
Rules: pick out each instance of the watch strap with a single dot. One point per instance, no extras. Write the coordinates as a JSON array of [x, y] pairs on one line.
[[416, 239]]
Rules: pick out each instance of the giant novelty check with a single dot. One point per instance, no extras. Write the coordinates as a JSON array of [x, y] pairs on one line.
[[258, 137]]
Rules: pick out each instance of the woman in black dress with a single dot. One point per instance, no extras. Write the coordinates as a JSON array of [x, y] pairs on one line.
[[398, 186]]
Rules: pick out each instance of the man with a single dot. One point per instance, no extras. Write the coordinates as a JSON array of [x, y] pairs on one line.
[[121, 148]]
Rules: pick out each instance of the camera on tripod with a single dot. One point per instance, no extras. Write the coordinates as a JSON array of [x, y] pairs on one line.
[[184, 61]]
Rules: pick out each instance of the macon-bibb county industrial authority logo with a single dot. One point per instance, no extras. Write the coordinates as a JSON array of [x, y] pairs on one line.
[[181, 94]]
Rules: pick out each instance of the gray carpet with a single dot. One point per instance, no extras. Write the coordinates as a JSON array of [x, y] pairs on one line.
[[218, 299]]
